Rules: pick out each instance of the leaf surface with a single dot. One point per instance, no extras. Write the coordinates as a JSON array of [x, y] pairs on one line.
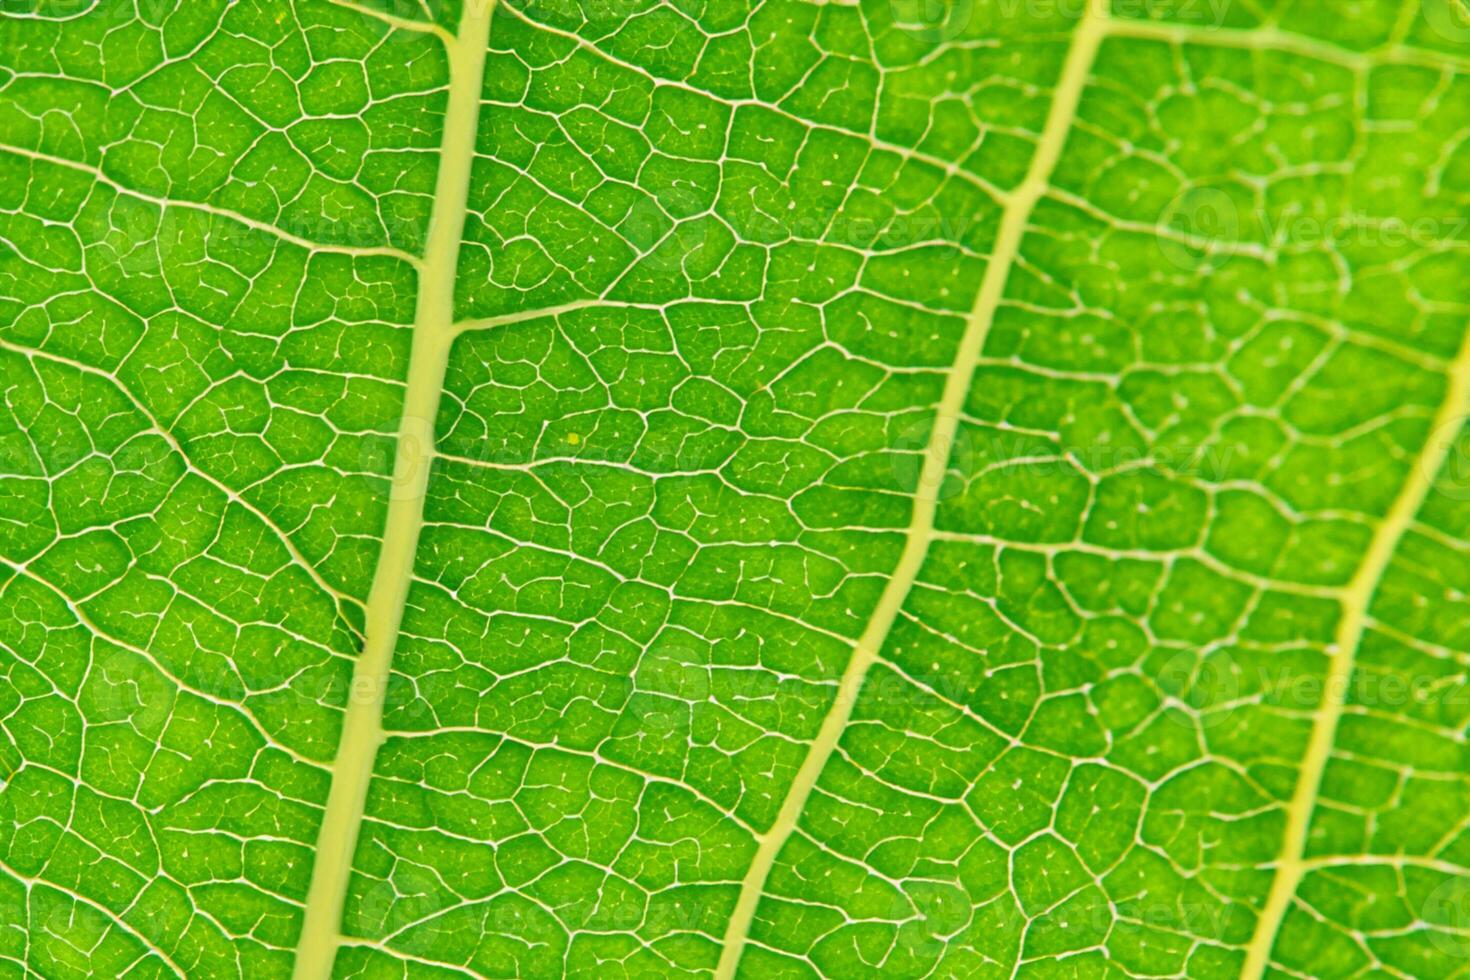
[[761, 490]]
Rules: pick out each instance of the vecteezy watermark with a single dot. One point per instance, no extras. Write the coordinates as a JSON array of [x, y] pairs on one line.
[[917, 460], [1209, 13], [1211, 222], [938, 21], [1198, 13], [1209, 687]]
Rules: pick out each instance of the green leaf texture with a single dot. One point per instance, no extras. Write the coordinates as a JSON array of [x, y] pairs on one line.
[[734, 488]]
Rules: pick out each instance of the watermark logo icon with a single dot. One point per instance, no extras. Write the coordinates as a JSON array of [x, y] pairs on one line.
[[413, 458], [1205, 684], [1447, 908], [934, 21], [1449, 442], [936, 465], [1449, 19], [1194, 222]]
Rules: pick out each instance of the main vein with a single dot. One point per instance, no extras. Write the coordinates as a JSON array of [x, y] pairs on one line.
[[433, 333], [1086, 38], [1291, 864]]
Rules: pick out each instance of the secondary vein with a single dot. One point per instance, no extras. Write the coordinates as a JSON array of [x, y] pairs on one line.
[[1292, 863], [433, 334], [1086, 38]]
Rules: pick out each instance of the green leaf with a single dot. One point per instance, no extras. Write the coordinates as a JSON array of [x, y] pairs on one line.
[[887, 489]]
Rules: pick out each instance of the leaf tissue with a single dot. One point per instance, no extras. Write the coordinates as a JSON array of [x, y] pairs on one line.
[[734, 488]]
